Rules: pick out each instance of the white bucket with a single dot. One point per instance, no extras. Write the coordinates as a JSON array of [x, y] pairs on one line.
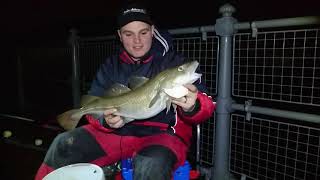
[[80, 171]]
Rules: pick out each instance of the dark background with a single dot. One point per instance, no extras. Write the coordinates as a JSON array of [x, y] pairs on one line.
[[33, 20], [46, 23]]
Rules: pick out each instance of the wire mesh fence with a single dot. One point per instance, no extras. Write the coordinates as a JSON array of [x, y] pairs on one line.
[[92, 53], [263, 148], [278, 66], [206, 52]]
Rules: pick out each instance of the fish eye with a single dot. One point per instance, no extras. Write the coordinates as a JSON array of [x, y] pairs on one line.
[[180, 68]]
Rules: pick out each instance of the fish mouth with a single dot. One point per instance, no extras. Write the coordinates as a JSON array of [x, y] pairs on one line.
[[192, 71], [193, 66], [194, 77]]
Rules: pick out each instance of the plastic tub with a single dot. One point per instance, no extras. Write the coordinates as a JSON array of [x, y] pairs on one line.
[[79, 171]]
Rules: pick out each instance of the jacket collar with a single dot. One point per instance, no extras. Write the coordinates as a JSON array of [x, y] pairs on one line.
[[126, 58]]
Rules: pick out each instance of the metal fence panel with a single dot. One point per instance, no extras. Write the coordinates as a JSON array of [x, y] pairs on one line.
[[206, 52], [92, 53], [263, 148], [279, 66]]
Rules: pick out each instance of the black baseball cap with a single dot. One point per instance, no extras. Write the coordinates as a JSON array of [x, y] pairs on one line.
[[133, 12]]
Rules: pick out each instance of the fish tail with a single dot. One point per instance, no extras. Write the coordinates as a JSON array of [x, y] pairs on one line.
[[69, 119]]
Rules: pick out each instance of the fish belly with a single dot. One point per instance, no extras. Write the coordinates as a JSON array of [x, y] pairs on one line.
[[141, 111]]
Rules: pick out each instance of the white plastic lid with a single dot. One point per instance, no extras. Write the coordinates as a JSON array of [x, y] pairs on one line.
[[79, 171]]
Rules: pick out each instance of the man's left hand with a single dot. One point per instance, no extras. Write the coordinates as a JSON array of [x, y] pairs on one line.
[[188, 101]]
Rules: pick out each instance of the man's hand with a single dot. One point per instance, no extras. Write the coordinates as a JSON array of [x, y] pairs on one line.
[[112, 120], [188, 101]]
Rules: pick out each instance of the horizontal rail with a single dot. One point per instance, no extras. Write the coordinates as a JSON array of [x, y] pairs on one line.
[[273, 23], [18, 117], [191, 30], [278, 113], [98, 38]]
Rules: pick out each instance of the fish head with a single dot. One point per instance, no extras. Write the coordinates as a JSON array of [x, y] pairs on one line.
[[181, 75]]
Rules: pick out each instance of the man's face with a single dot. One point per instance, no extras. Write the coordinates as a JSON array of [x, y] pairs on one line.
[[136, 38]]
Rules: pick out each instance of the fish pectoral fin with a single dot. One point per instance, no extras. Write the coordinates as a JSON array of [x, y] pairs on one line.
[[154, 100]]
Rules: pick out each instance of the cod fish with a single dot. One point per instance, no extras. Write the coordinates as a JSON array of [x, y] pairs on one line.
[[144, 99]]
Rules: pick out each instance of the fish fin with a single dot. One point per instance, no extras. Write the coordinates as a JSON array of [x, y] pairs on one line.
[[137, 81], [168, 105], [86, 99], [154, 100], [116, 90], [69, 119]]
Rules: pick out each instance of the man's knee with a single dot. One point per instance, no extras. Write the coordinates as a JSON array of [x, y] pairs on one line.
[[154, 162], [73, 147]]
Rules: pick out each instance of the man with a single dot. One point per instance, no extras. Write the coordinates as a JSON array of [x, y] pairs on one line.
[[159, 144]]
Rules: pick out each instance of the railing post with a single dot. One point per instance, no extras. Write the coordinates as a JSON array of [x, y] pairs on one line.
[[73, 40], [224, 27]]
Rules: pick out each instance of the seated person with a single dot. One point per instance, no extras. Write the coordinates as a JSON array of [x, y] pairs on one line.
[[159, 144]]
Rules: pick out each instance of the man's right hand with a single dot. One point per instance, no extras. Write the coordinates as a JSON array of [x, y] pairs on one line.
[[114, 121]]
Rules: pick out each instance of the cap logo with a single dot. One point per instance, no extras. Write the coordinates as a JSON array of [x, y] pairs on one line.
[[134, 10]]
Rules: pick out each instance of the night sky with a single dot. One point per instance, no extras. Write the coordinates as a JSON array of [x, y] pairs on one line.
[[52, 19]]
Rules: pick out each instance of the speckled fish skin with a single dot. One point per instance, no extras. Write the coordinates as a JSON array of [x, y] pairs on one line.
[[143, 102]]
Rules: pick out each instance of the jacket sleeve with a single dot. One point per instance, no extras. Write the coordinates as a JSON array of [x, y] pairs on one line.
[[203, 111]]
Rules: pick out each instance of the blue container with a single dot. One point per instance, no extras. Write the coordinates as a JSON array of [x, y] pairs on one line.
[[182, 173], [126, 169]]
